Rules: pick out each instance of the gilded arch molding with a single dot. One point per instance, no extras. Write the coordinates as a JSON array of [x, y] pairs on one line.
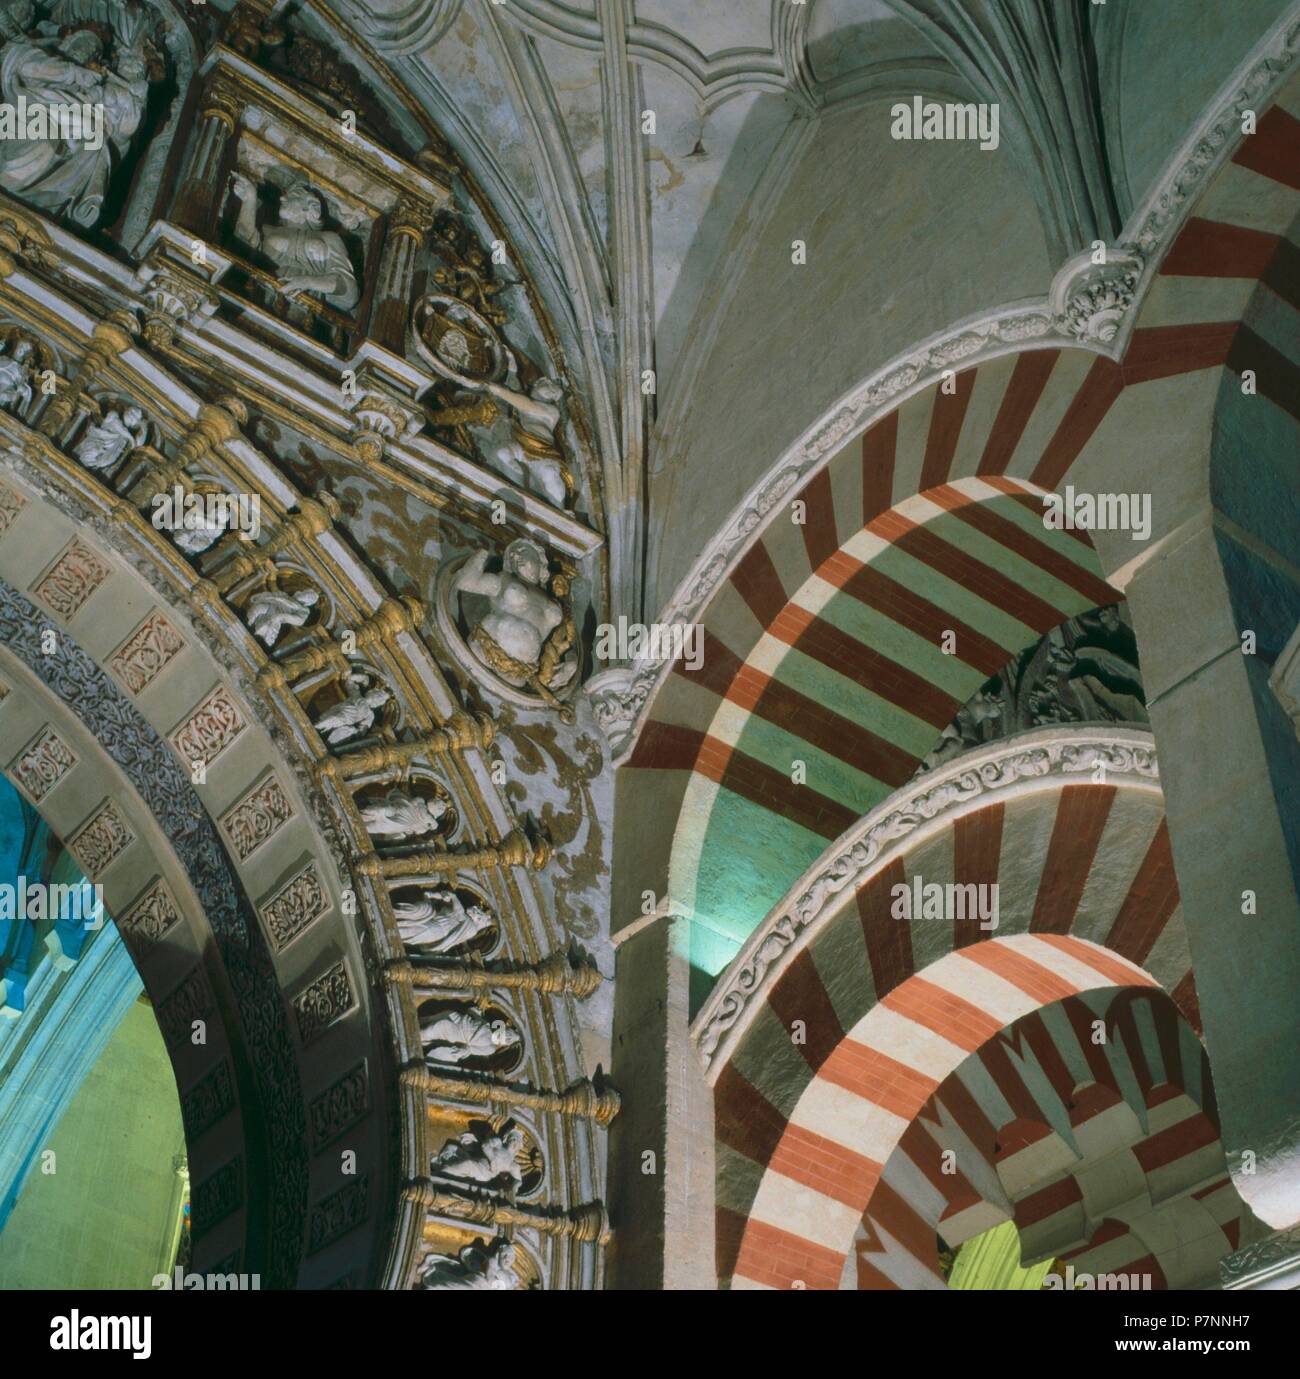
[[52, 507]]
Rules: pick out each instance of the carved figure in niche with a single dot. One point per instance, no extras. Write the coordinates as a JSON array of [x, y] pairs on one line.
[[457, 1035], [270, 611], [204, 527], [16, 377], [482, 1159], [439, 922], [477, 1268], [355, 714], [402, 816], [307, 259], [526, 637], [107, 440], [67, 172], [967, 729]]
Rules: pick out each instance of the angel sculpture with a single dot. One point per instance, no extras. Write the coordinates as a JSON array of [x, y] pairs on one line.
[[402, 816], [355, 713], [270, 612], [439, 922]]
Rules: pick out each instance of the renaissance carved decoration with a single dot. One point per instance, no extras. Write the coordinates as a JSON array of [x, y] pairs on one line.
[[16, 376], [307, 259], [270, 612], [482, 1157], [354, 715], [477, 1268], [440, 922], [108, 440], [400, 816], [525, 636], [87, 67], [456, 1036]]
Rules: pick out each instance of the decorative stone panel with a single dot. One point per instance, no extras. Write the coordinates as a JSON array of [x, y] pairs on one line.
[[11, 504], [257, 817], [99, 841], [324, 1003], [43, 764], [70, 581], [210, 729], [149, 918], [294, 906], [338, 1108], [150, 648]]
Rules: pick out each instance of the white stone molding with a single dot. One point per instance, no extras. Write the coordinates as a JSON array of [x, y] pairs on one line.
[[1022, 765]]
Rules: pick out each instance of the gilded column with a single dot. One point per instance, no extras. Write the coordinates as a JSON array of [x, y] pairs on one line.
[[407, 227], [109, 339], [199, 195]]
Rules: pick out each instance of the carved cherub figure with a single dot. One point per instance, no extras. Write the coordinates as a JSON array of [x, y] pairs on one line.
[[402, 816], [270, 611], [522, 619], [482, 1159], [439, 922], [106, 441]]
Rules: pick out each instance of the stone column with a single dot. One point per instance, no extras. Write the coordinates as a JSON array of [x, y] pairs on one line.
[[1226, 771], [661, 1207]]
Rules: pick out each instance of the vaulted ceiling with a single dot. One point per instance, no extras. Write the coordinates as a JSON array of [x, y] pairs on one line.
[[667, 247]]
